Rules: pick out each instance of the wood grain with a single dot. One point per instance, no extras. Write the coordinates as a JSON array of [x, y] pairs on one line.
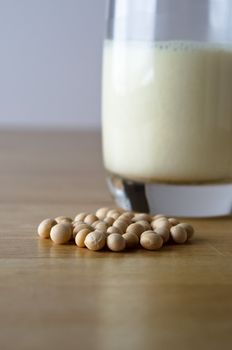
[[57, 297]]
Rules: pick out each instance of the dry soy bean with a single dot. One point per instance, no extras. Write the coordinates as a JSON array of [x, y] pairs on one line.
[[163, 231], [121, 224], [178, 234], [45, 226], [60, 219], [115, 216], [112, 212], [141, 217], [80, 217], [116, 242], [80, 237], [188, 228], [146, 225], [173, 221], [101, 213], [159, 216], [61, 233], [95, 240], [113, 229], [151, 241], [136, 229], [109, 221], [132, 240], [127, 215], [100, 225], [90, 219], [161, 222], [79, 227]]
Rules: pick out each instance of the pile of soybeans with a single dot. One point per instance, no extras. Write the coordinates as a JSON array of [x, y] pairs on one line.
[[116, 229]]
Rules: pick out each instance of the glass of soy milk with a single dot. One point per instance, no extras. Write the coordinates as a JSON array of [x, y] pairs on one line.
[[167, 106]]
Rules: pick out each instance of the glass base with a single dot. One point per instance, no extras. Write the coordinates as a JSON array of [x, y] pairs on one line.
[[172, 200]]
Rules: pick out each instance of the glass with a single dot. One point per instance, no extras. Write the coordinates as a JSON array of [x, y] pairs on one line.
[[167, 106]]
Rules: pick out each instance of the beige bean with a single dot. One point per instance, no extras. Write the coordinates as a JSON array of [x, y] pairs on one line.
[[79, 227], [94, 224], [159, 216], [151, 241], [90, 219], [79, 222], [127, 215], [164, 219], [153, 225], [60, 219], [178, 234], [112, 212], [61, 233], [135, 228], [173, 221], [161, 222], [132, 240], [76, 224], [45, 226], [113, 229], [115, 216], [121, 210], [121, 224], [109, 221], [116, 242], [145, 225], [80, 216], [163, 231], [95, 240], [188, 228], [126, 219], [142, 217], [102, 212], [80, 237], [100, 226], [69, 225]]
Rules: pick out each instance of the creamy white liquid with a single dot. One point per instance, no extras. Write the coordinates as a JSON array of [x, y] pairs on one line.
[[167, 111]]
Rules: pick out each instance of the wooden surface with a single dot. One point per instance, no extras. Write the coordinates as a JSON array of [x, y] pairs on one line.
[[62, 297]]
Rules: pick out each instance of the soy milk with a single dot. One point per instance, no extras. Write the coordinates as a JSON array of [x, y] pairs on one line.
[[167, 111]]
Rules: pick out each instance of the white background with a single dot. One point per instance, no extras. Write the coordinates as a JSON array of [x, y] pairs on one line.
[[50, 62]]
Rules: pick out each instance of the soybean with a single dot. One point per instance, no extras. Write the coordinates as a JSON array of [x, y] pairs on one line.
[[136, 229], [45, 226], [95, 240], [61, 233], [109, 221], [151, 241], [178, 234], [173, 221], [80, 237], [188, 228], [80, 217], [142, 217], [101, 213], [121, 224], [100, 225], [116, 242], [113, 229], [163, 231], [59, 219], [132, 240], [90, 219]]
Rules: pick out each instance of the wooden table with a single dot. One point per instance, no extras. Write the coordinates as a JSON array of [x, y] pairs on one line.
[[62, 297]]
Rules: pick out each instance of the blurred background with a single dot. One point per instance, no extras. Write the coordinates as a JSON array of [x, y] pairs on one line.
[[50, 71]]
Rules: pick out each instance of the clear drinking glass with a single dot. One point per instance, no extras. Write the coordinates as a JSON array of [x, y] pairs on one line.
[[167, 106]]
